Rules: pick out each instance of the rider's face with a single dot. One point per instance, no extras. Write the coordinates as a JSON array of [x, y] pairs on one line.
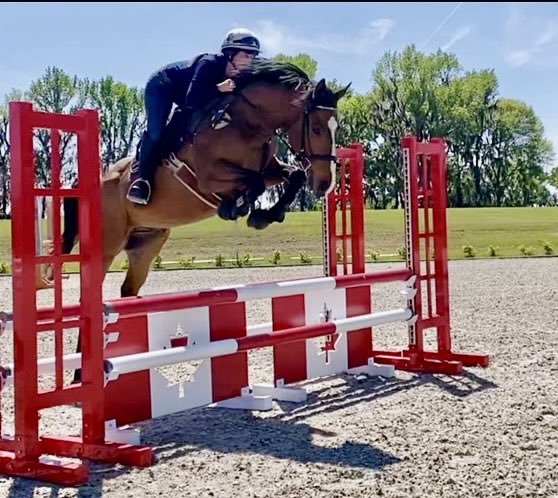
[[242, 60]]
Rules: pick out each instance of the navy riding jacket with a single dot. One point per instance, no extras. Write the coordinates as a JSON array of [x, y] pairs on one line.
[[193, 83]]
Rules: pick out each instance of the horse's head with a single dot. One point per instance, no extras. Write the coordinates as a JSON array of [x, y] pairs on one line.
[[282, 96], [312, 136]]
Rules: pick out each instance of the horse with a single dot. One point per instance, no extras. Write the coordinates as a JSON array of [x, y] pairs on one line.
[[222, 167]]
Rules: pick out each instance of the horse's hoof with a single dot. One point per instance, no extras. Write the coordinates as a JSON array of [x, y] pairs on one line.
[[227, 210], [242, 209], [258, 219], [278, 216], [232, 209]]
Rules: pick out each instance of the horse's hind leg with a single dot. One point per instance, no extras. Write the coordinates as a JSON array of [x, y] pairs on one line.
[[142, 248]]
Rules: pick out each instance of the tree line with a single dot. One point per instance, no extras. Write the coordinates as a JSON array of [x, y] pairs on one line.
[[497, 152]]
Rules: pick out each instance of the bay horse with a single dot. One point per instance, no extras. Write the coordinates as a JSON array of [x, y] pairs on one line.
[[222, 169]]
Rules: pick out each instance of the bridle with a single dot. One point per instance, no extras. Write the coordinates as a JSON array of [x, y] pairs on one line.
[[300, 156]]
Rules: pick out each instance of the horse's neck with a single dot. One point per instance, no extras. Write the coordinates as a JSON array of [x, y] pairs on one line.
[[276, 104]]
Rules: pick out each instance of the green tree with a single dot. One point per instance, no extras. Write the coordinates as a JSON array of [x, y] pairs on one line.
[[553, 177], [404, 101], [56, 92], [4, 160], [302, 61], [15, 95], [121, 114], [518, 156], [468, 105]]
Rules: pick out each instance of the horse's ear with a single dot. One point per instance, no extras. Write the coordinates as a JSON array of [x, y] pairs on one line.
[[341, 93], [319, 87]]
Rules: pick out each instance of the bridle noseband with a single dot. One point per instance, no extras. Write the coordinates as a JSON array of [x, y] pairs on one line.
[[300, 155]]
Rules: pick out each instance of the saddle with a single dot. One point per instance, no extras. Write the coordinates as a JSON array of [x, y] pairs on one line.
[[186, 123]]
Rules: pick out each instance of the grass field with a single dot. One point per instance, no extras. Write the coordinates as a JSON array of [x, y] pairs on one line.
[[506, 228]]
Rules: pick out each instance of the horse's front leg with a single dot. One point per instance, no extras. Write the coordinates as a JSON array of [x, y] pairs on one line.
[[276, 173], [242, 185]]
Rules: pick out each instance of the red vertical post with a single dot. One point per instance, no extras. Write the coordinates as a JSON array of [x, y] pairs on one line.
[[425, 193], [348, 197], [22, 163], [338, 200], [440, 201], [357, 210], [21, 457], [91, 276], [412, 240], [424, 175]]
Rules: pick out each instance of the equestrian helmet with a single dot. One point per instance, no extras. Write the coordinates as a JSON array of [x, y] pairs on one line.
[[241, 39]]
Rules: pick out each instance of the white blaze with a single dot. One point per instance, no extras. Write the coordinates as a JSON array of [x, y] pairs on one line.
[[332, 125]]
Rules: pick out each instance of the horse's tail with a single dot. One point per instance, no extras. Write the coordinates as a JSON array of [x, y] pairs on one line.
[[71, 224]]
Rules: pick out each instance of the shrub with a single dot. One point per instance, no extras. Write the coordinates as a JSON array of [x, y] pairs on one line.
[[526, 251], [548, 249], [244, 260], [493, 251], [186, 262], [469, 251], [305, 257], [276, 258]]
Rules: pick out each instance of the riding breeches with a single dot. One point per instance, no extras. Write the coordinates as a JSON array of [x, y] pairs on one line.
[[158, 105]]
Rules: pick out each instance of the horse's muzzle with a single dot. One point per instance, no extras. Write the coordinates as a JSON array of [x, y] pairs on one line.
[[322, 188]]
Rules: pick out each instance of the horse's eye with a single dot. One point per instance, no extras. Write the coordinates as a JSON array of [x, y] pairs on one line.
[[317, 130]]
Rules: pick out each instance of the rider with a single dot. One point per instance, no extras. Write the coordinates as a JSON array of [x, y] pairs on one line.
[[189, 84]]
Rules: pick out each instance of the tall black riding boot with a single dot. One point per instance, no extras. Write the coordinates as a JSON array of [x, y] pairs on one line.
[[141, 188]]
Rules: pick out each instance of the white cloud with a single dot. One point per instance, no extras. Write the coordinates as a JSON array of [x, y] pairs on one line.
[[547, 35], [458, 35], [383, 27], [276, 38], [518, 58], [271, 36], [530, 36]]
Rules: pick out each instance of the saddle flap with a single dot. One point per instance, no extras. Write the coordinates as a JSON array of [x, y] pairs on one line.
[[186, 176]]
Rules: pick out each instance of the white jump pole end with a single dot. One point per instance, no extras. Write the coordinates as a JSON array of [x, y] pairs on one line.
[[373, 370], [246, 401], [281, 392], [121, 435]]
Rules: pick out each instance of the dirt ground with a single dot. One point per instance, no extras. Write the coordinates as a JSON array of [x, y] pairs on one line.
[[490, 433]]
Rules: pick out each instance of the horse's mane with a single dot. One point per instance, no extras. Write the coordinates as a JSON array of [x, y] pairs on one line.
[[274, 72]]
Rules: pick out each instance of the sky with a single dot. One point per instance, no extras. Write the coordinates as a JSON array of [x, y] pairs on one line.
[[519, 41]]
